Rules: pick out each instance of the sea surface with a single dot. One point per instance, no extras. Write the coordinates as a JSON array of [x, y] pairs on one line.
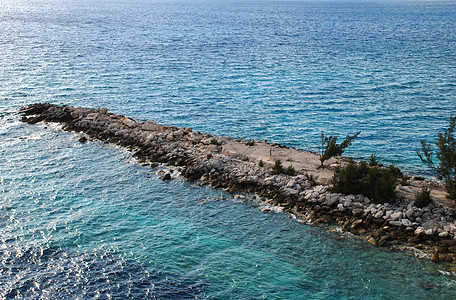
[[86, 221]]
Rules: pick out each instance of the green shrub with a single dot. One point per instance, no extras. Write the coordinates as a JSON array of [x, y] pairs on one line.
[[329, 147], [290, 171], [446, 155], [215, 142], [350, 179], [277, 168], [261, 163], [310, 178], [250, 142], [396, 171], [405, 180], [382, 189], [373, 160], [423, 198], [374, 182]]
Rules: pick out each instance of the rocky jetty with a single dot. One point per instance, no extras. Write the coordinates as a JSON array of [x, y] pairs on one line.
[[212, 160]]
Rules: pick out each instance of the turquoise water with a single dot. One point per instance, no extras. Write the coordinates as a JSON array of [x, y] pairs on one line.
[[87, 220], [93, 218]]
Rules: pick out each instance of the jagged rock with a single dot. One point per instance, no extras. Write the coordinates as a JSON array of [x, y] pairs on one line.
[[396, 216], [150, 126], [266, 209], [379, 214], [91, 116], [291, 184], [290, 191], [200, 158], [361, 230], [326, 219], [356, 223], [347, 202], [382, 241], [330, 201], [372, 241], [395, 223], [409, 213], [444, 234], [417, 213], [406, 222], [387, 214], [429, 231], [357, 212], [358, 205], [128, 122], [320, 189], [419, 231]]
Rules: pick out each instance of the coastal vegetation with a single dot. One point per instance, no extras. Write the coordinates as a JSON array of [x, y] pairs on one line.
[[423, 198], [446, 154], [261, 163], [250, 142], [375, 182], [290, 171], [405, 180], [215, 142], [329, 147], [279, 169], [373, 160], [310, 179]]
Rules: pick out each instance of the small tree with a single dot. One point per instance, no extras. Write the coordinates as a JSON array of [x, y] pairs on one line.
[[446, 155], [277, 168], [290, 171], [373, 160], [423, 198], [330, 148], [375, 182], [261, 163]]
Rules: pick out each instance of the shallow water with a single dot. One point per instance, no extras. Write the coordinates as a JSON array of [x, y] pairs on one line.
[[87, 220]]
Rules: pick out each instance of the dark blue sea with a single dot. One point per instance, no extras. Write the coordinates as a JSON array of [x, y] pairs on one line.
[[86, 221]]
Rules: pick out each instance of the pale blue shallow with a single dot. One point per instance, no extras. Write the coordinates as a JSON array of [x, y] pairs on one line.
[[88, 221]]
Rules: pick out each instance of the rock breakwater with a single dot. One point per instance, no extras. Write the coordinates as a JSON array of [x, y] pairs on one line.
[[213, 161]]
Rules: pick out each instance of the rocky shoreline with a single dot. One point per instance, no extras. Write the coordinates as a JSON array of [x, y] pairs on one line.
[[212, 160]]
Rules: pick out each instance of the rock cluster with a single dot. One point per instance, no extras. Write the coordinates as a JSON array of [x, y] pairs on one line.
[[200, 157]]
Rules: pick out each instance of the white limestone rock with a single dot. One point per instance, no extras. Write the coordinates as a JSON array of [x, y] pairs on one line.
[[395, 223], [396, 216], [406, 222], [379, 214], [409, 213]]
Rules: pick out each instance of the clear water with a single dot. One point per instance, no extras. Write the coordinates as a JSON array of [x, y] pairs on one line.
[[86, 220]]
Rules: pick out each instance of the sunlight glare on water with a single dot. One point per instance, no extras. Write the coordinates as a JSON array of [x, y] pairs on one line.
[[86, 220]]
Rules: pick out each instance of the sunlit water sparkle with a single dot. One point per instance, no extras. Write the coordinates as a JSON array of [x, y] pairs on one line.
[[86, 220]]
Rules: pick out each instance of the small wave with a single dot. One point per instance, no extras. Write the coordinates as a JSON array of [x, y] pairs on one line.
[[58, 274]]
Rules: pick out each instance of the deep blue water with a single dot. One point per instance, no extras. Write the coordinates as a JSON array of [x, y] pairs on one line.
[[87, 221]]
